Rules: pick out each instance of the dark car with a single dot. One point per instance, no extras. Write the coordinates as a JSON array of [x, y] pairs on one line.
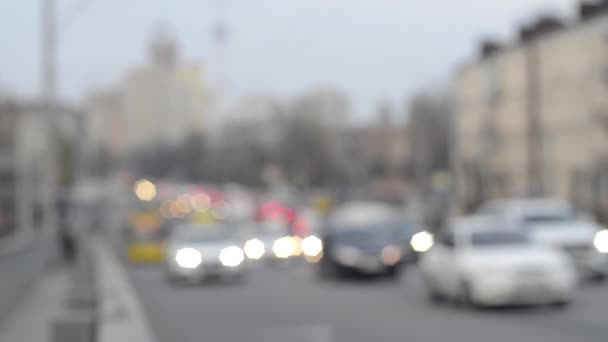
[[373, 248]]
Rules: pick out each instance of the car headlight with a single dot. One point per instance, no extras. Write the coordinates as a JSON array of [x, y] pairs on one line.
[[284, 247], [188, 258], [422, 242], [391, 255], [601, 241], [254, 249], [231, 256], [348, 255], [312, 246]]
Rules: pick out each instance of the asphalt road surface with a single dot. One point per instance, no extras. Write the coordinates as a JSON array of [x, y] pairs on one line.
[[291, 305]]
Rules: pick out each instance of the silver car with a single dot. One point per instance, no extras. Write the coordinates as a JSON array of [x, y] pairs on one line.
[[198, 252]]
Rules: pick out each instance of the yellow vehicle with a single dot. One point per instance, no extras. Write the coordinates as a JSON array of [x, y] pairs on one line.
[[144, 237]]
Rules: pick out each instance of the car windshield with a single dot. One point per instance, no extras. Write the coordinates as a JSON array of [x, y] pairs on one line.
[[485, 239], [549, 218], [373, 234]]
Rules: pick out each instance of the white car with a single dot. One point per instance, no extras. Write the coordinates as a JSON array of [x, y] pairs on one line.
[[555, 223], [480, 264], [198, 252]]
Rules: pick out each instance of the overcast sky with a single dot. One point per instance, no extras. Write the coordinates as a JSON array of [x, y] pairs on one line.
[[373, 49]]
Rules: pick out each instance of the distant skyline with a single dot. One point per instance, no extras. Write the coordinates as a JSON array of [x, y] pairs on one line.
[[375, 50]]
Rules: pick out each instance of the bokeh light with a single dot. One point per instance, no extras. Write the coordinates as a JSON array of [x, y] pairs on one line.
[[422, 242], [145, 190], [601, 241], [312, 246], [201, 202], [254, 249]]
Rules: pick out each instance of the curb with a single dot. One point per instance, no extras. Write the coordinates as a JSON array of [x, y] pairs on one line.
[[121, 317]]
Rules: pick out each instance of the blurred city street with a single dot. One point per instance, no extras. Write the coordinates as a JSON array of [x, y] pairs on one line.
[[293, 305], [304, 171]]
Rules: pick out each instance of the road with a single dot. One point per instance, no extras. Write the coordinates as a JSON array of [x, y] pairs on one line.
[[291, 305]]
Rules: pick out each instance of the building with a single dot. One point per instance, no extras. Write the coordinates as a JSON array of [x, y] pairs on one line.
[[160, 103], [256, 118], [106, 127], [24, 158], [531, 116]]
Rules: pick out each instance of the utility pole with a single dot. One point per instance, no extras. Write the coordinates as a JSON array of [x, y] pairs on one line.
[[49, 93], [535, 172], [220, 36]]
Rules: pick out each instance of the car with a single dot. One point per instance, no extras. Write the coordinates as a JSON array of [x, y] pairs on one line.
[[199, 252], [556, 223], [363, 239], [478, 262]]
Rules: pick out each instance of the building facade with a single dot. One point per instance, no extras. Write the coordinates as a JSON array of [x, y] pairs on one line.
[[160, 103], [531, 117], [25, 138]]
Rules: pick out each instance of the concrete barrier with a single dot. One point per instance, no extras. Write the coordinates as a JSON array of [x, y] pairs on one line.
[[74, 326], [82, 292]]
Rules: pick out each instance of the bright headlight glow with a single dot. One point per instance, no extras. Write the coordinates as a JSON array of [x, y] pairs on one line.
[[391, 255], [601, 241], [422, 242], [284, 247], [312, 246], [254, 249], [231, 256], [188, 258]]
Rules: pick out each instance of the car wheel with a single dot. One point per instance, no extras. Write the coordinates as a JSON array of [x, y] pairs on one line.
[[433, 295], [467, 298], [598, 278], [560, 304]]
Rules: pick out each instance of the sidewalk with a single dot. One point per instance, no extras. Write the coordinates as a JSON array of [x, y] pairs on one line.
[[120, 316], [31, 319]]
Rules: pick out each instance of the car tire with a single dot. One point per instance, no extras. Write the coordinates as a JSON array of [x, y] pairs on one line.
[[392, 273], [598, 278], [467, 298], [433, 295], [560, 304]]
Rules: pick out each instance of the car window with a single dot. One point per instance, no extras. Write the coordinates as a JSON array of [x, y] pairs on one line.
[[481, 239], [548, 218], [490, 209]]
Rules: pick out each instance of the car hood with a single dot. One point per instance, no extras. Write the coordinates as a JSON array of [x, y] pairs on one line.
[[511, 257], [364, 246], [564, 234], [207, 250]]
